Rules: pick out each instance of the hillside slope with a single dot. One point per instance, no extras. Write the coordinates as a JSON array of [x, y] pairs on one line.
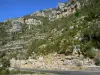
[[69, 29]]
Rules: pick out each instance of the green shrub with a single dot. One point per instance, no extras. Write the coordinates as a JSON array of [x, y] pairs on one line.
[[4, 71], [87, 50], [97, 61], [2, 54], [77, 14], [90, 53], [5, 62]]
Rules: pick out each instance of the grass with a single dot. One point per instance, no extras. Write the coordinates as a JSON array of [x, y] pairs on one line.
[[13, 72]]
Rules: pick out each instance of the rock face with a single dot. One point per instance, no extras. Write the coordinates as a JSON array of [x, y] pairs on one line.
[[53, 61], [16, 26], [49, 13], [62, 10], [67, 9], [33, 22]]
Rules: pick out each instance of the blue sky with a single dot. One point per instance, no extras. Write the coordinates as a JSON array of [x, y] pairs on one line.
[[17, 8]]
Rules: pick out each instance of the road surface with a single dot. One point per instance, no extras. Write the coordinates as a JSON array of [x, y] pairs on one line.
[[60, 72]]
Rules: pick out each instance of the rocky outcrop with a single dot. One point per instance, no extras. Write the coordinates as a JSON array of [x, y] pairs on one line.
[[64, 10], [33, 22], [53, 61], [49, 13], [16, 26]]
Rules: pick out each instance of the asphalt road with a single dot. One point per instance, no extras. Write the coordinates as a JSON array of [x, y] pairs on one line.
[[60, 72]]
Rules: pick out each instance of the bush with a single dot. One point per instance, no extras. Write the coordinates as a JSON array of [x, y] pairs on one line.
[[88, 51], [2, 54], [4, 71], [77, 14], [5, 62], [97, 61]]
